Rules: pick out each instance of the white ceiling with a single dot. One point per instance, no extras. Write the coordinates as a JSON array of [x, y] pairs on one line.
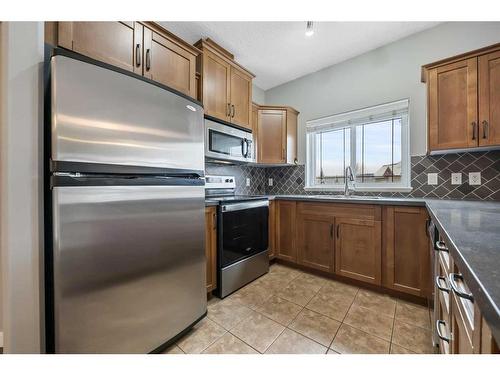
[[278, 52]]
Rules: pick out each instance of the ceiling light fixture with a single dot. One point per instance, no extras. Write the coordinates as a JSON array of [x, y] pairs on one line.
[[309, 28]]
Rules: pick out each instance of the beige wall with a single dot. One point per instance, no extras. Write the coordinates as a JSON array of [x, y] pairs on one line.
[[386, 74], [21, 226]]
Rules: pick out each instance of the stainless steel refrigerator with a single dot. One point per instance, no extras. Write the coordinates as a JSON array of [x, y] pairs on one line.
[[125, 265]]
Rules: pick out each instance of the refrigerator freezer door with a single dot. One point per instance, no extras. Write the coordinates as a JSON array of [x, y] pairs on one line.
[[105, 117], [129, 266]]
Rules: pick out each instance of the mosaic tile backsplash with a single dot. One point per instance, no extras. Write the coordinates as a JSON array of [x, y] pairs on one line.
[[290, 179]]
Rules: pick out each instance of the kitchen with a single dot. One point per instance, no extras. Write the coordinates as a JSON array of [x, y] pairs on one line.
[[345, 205]]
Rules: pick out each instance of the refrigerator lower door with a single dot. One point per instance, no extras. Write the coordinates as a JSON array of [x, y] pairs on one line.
[[129, 266]]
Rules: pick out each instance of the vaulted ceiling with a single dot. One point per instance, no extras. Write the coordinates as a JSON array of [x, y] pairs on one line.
[[278, 52]]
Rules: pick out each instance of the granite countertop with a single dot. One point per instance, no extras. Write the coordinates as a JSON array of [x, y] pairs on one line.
[[471, 230]]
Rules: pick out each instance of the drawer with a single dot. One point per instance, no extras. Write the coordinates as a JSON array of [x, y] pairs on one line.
[[462, 304], [359, 211]]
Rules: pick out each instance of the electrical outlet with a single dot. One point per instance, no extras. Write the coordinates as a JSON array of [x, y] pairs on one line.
[[432, 178], [248, 181], [270, 182], [475, 178], [456, 178]]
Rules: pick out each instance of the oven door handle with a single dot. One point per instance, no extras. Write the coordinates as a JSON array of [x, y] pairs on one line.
[[244, 205]]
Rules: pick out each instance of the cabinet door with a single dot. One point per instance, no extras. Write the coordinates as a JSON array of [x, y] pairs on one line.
[[358, 249], [407, 260], [272, 229], [211, 247], [285, 231], [461, 342], [452, 101], [272, 136], [168, 63], [241, 98], [291, 137], [115, 43], [315, 242], [489, 99], [216, 76]]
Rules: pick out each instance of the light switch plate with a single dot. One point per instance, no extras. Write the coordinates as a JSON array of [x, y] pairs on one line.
[[474, 178], [432, 178], [248, 181], [270, 182], [456, 178]]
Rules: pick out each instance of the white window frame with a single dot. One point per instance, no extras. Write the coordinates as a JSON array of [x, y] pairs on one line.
[[350, 120]]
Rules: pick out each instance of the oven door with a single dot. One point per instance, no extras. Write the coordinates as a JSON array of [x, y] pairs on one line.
[[243, 231], [223, 142]]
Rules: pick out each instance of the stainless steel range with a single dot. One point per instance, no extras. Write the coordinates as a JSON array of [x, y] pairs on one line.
[[242, 248]]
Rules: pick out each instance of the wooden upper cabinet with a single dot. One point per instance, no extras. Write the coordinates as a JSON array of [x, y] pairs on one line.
[[463, 99], [358, 249], [315, 242], [143, 48], [406, 250], [489, 99], [216, 86], [271, 136], [169, 62], [453, 106], [241, 98], [277, 135], [115, 43], [226, 85], [285, 230]]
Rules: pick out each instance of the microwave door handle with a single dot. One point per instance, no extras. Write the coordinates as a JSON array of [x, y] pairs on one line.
[[247, 148]]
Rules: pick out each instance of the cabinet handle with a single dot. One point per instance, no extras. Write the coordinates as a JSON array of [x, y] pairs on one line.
[[137, 55], [215, 221], [148, 59], [441, 246], [228, 114], [439, 286], [474, 126], [331, 230], [295, 161], [451, 278], [426, 229], [283, 154], [338, 230], [440, 323], [233, 111], [485, 129]]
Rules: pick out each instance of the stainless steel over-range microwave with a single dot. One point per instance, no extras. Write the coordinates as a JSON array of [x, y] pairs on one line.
[[223, 142]]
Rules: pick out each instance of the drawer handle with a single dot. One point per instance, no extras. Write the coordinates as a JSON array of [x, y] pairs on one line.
[[440, 323], [439, 286], [441, 246], [451, 278]]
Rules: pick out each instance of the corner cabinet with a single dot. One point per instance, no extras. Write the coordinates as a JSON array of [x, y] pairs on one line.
[[463, 96], [406, 250], [211, 247], [226, 87], [277, 135], [144, 48], [285, 231]]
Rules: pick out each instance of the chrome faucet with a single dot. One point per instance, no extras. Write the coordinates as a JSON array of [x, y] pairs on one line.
[[348, 176]]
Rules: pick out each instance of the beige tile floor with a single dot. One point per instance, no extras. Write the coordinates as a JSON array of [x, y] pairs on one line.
[[291, 311]]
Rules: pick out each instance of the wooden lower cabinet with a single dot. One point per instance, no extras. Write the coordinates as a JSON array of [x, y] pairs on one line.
[[406, 250], [315, 241], [211, 247], [272, 229], [358, 249], [285, 230]]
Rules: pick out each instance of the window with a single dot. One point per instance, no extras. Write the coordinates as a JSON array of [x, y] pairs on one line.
[[373, 141]]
